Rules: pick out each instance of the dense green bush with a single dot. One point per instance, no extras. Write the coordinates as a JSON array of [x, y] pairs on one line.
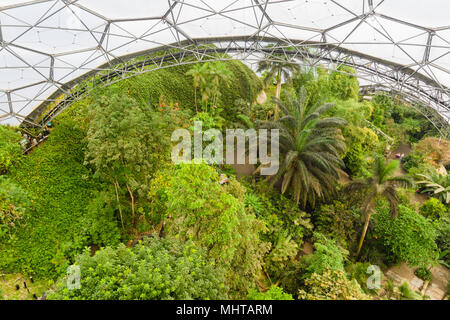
[[325, 85], [400, 121], [442, 226], [327, 256], [408, 238], [280, 213], [10, 151], [433, 209], [100, 221], [424, 274], [412, 160], [358, 271], [14, 202], [198, 208], [339, 222], [331, 285], [286, 227], [280, 257], [176, 86], [63, 219], [274, 293], [343, 83], [155, 269], [126, 143], [52, 232]]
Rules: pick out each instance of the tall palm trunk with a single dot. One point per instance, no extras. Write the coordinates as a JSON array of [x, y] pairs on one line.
[[278, 94], [363, 235]]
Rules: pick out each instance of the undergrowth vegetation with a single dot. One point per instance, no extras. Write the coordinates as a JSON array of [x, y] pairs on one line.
[[103, 194]]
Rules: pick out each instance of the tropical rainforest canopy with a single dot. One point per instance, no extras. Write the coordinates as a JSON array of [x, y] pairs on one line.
[[362, 182]]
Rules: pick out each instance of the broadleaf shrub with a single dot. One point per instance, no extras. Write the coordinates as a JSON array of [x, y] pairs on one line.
[[408, 238], [155, 269], [331, 285], [274, 293]]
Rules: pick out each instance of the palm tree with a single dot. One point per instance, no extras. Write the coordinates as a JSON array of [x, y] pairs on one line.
[[198, 73], [207, 78], [277, 66], [218, 73], [310, 147], [381, 183], [437, 185]]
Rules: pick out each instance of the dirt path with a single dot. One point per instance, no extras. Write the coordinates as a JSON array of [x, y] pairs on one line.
[[401, 149]]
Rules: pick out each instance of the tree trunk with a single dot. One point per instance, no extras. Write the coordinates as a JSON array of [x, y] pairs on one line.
[[132, 204], [118, 201], [366, 224], [277, 94]]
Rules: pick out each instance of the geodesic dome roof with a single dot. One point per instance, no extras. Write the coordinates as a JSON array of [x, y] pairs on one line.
[[53, 51]]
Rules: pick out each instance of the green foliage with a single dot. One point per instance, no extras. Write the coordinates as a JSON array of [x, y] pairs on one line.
[[198, 208], [244, 85], [175, 86], [343, 83], [211, 120], [252, 201], [274, 71], [354, 158], [381, 182], [424, 274], [128, 162], [327, 256], [412, 160], [281, 215], [100, 222], [322, 85], [442, 226], [144, 139], [338, 221], [274, 293], [209, 77], [358, 271], [156, 269], [408, 238], [14, 202], [362, 143], [407, 294], [361, 140], [281, 256], [50, 234], [399, 120], [331, 285], [433, 209], [286, 227], [10, 151], [310, 147], [435, 184]]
